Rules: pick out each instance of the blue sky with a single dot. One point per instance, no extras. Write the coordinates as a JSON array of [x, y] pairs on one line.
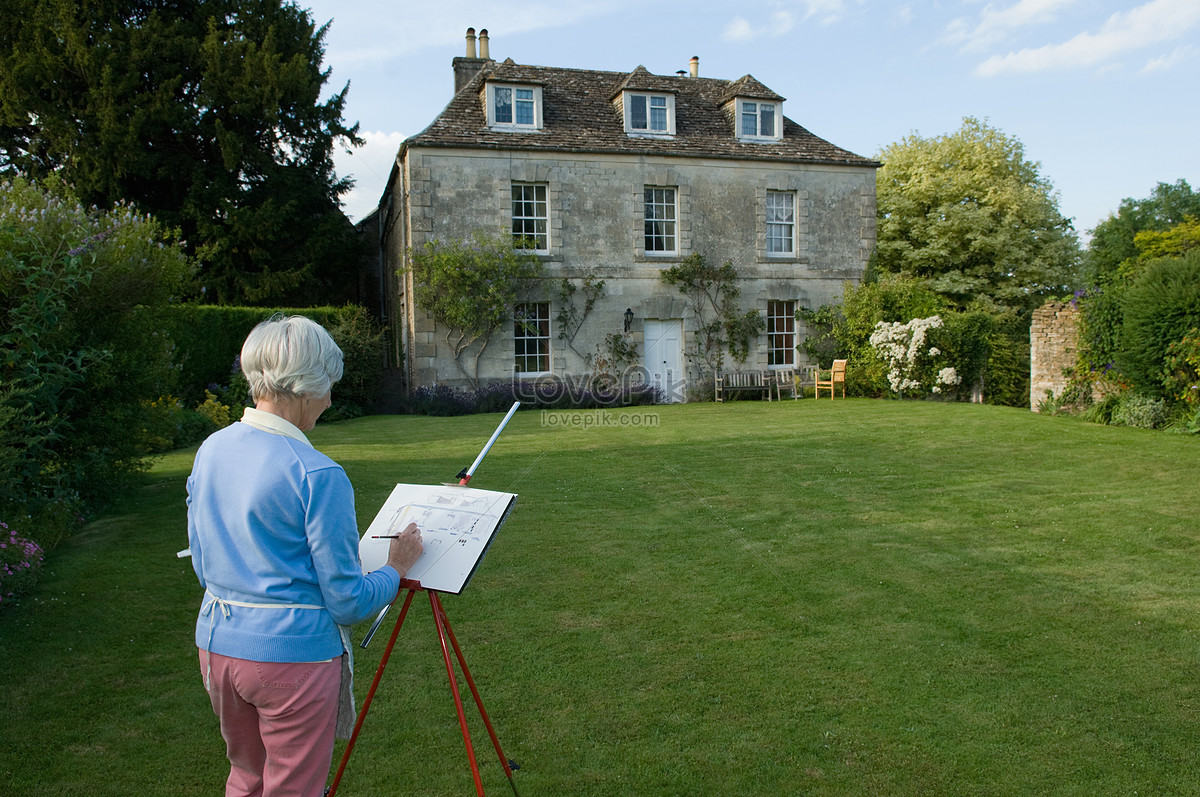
[[1104, 95]]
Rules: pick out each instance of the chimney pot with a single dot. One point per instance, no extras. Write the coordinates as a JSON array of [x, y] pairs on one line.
[[470, 42], [483, 45], [695, 66]]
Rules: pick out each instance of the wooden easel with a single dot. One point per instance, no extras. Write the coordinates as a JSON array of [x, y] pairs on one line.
[[448, 641]]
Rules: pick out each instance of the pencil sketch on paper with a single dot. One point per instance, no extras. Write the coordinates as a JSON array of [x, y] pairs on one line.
[[457, 526]]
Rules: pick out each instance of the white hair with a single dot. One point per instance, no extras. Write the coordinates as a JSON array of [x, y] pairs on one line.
[[290, 356]]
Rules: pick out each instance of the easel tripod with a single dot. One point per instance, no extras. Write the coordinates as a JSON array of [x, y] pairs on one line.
[[448, 642], [445, 635]]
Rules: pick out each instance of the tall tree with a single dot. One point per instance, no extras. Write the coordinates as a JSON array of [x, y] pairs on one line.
[[1114, 240], [206, 113], [971, 217]]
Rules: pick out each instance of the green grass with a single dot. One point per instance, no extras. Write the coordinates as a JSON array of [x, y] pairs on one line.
[[820, 598]]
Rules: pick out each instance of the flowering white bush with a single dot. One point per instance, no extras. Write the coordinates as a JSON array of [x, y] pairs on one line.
[[902, 347], [946, 376]]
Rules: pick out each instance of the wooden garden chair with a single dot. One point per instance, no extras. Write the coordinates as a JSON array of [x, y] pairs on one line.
[[836, 376], [787, 380]]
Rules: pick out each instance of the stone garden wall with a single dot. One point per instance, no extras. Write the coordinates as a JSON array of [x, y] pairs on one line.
[[1053, 344]]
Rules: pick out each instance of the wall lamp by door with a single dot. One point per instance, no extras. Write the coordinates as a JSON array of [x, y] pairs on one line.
[[628, 318]]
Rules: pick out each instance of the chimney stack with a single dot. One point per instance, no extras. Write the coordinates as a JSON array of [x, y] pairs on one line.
[[695, 66], [468, 67]]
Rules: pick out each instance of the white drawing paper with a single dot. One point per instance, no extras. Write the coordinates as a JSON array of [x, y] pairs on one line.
[[457, 526]]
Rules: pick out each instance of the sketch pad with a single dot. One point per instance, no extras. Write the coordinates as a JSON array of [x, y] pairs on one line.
[[457, 526]]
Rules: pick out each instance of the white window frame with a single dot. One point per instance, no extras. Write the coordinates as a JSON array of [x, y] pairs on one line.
[[531, 208], [531, 331], [781, 334], [512, 89], [781, 224], [662, 212], [748, 107], [652, 102]]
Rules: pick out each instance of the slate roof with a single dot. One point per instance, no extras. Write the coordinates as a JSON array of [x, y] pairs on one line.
[[579, 116]]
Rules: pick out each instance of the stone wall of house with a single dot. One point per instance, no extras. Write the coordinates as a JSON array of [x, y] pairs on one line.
[[597, 230], [1053, 344]]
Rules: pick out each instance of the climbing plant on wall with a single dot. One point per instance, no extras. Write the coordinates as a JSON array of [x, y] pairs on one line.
[[470, 287], [721, 327]]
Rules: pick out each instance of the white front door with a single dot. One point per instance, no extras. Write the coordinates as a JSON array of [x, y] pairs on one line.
[[664, 357]]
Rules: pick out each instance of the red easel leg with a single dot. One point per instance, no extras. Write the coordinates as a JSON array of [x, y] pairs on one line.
[[362, 715], [462, 662], [439, 621]]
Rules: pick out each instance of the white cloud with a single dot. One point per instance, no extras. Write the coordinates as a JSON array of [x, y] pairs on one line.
[[1165, 62], [782, 22], [1149, 24], [370, 164], [997, 24], [829, 11], [739, 29]]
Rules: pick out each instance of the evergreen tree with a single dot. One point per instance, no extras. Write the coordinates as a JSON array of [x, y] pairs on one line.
[[205, 113]]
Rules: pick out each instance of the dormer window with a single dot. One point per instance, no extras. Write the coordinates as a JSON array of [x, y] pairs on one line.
[[650, 114], [518, 107], [759, 120]]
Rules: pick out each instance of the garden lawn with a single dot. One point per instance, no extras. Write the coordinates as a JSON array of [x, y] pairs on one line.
[[796, 598]]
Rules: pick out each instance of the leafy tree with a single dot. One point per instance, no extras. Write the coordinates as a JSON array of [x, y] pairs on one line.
[[970, 217], [1174, 241], [205, 113], [1114, 240], [1122, 248], [471, 287], [80, 356]]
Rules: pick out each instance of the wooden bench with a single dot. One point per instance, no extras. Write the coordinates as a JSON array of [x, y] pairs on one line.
[[748, 381]]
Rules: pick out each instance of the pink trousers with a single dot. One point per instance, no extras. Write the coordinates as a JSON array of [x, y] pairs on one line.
[[278, 721]]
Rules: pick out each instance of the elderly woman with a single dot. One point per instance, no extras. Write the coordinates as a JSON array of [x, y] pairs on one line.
[[274, 543]]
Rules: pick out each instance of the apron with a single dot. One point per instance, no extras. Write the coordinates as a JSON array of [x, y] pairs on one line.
[[346, 712]]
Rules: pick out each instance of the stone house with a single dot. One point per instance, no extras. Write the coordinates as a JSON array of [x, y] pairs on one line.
[[616, 176]]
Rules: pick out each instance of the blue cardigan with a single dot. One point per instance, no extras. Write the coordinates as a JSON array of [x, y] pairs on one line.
[[271, 521]]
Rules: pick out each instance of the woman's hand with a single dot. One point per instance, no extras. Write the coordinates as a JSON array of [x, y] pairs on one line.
[[405, 549]]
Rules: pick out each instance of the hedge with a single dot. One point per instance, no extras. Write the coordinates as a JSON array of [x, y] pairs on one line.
[[208, 338], [1160, 307]]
